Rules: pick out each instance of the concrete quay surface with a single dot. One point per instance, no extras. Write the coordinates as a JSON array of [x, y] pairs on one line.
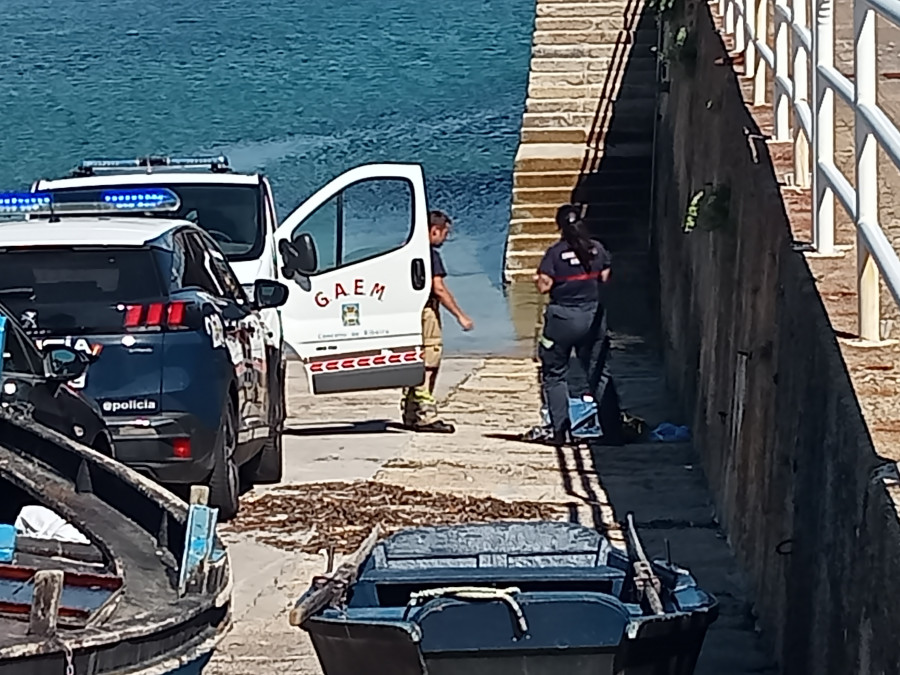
[[348, 438]]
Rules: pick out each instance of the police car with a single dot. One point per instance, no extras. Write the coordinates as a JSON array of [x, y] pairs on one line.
[[355, 256], [179, 355]]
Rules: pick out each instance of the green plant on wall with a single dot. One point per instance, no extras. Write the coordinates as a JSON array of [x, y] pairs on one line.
[[682, 49], [663, 7], [709, 209]]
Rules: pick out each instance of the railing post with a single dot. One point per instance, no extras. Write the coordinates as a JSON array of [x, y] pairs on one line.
[[823, 129], [737, 26], [782, 102], [749, 47], [865, 70], [730, 19], [761, 31], [801, 93]]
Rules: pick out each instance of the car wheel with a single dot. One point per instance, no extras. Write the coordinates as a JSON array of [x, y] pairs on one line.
[[224, 485], [268, 465]]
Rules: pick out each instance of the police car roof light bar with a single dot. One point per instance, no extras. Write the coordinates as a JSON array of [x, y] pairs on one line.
[[89, 167], [156, 200]]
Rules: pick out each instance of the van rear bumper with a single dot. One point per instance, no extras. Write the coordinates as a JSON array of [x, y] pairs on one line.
[[146, 444]]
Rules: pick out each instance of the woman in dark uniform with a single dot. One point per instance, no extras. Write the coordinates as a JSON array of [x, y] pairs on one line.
[[572, 271]]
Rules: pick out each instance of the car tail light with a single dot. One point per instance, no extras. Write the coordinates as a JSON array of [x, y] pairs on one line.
[[181, 448], [169, 315]]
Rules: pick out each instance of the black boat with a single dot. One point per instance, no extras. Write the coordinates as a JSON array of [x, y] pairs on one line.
[[145, 587], [512, 598]]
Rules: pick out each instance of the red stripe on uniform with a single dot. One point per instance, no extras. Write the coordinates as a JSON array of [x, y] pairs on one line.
[[579, 277]]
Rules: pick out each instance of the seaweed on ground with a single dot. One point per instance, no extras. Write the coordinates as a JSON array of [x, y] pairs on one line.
[[314, 516]]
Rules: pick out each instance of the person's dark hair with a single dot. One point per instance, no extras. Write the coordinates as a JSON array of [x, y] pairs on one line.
[[568, 219], [438, 219]]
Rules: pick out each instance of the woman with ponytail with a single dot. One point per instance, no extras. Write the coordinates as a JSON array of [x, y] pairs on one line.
[[572, 271]]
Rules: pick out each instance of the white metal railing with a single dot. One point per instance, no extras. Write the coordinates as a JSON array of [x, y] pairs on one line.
[[803, 55]]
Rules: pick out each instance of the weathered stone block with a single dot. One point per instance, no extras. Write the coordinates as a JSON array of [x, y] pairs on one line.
[[573, 51], [543, 195], [560, 179], [554, 135], [579, 10]]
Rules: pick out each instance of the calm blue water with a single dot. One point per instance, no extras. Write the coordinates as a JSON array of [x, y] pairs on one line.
[[299, 90]]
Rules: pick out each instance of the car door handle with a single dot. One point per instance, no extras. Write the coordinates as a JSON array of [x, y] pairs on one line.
[[418, 274]]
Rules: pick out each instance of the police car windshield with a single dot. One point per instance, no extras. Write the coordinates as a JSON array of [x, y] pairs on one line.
[[230, 213], [61, 291]]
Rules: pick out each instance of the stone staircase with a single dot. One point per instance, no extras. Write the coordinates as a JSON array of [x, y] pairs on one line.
[[587, 130]]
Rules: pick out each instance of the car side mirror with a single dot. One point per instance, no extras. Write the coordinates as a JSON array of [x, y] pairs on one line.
[[268, 293], [64, 364], [299, 255]]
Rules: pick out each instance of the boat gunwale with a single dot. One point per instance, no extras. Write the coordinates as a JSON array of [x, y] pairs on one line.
[[216, 594]]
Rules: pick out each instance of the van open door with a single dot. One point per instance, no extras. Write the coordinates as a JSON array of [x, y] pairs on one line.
[[356, 257]]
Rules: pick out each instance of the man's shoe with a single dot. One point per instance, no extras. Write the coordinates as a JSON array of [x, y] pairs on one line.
[[436, 427]]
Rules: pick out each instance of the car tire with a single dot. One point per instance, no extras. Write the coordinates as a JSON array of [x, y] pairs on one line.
[[268, 465], [224, 482]]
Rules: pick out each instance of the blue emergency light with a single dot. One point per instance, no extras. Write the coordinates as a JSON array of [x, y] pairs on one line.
[[94, 201], [27, 202]]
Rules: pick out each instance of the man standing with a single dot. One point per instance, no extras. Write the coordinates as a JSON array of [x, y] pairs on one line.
[[419, 406]]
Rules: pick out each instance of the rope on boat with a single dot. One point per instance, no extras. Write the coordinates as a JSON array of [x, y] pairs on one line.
[[474, 593]]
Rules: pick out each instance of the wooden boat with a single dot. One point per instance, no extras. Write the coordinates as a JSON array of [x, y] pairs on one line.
[[514, 598], [146, 592]]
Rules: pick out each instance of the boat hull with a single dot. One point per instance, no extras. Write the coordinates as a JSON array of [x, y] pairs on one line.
[[518, 598], [350, 648]]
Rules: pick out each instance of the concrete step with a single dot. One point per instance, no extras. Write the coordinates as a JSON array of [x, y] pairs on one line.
[[628, 208], [549, 156], [571, 179], [530, 243], [616, 133], [639, 70], [532, 226], [619, 164], [538, 243], [582, 9], [534, 179], [523, 261], [595, 37], [566, 156], [613, 181], [553, 136], [576, 86], [590, 84], [627, 108], [609, 223], [605, 191], [625, 53], [541, 195], [546, 212], [607, 138], [589, 24]]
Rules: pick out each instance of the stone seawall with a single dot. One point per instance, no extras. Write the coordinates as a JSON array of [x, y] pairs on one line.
[[807, 497]]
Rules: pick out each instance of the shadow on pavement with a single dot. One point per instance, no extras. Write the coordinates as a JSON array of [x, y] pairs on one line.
[[348, 428]]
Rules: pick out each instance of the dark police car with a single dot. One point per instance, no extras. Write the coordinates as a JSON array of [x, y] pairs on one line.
[[37, 387], [180, 364]]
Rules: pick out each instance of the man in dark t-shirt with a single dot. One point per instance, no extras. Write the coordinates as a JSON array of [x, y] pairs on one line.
[[419, 406]]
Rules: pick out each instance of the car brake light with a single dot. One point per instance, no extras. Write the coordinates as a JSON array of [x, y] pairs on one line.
[[181, 448], [155, 314]]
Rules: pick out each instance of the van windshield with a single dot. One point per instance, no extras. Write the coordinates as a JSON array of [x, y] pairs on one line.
[[230, 213]]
